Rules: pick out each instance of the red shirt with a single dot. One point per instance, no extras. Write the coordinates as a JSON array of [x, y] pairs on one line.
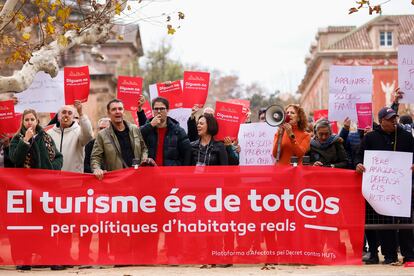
[[159, 156]]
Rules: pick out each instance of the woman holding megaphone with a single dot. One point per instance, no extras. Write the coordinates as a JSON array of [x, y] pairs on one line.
[[291, 139]]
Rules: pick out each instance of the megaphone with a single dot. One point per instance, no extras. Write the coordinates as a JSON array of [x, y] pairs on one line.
[[275, 115]]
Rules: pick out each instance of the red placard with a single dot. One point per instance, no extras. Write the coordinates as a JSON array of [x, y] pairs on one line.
[[322, 113], [364, 114], [77, 83], [51, 217], [228, 117], [195, 89], [245, 110], [172, 92], [147, 109], [9, 121], [129, 91]]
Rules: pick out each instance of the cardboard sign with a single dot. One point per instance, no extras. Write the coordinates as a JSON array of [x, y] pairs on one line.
[[386, 183], [348, 85], [9, 122], [129, 91], [364, 113], [228, 117], [256, 143], [45, 94], [195, 88], [77, 82], [406, 72]]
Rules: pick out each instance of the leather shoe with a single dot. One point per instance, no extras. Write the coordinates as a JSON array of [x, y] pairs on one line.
[[372, 260]]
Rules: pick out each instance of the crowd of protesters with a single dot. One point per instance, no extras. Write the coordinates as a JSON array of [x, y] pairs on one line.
[[161, 141]]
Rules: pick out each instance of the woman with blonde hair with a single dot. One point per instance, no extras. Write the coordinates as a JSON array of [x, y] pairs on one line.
[[295, 139]]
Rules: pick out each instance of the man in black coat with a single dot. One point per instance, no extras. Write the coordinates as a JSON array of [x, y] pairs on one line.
[[389, 136], [166, 141]]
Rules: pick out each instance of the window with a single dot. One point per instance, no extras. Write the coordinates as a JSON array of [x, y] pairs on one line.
[[385, 39]]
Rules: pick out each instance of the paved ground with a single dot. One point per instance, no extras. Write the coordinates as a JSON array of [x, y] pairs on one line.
[[251, 270]]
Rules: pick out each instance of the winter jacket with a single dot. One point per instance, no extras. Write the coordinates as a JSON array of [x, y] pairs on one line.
[[330, 153], [39, 153], [104, 152], [70, 142], [380, 140], [177, 148], [214, 154]]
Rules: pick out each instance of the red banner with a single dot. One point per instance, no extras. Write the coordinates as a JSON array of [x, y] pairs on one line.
[[364, 115], [156, 215], [195, 89], [172, 92], [129, 91], [228, 117], [77, 82], [9, 121]]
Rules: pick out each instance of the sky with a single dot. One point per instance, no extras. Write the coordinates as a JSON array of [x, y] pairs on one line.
[[263, 41]]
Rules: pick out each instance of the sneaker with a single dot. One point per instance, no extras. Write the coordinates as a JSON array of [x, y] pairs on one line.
[[372, 260]]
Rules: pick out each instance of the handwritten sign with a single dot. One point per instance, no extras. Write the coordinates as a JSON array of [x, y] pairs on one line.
[[45, 94], [386, 183], [364, 114], [77, 83], [181, 115], [129, 91], [256, 143], [406, 72], [348, 85]]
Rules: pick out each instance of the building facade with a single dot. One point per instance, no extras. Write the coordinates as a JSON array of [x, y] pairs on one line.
[[374, 43]]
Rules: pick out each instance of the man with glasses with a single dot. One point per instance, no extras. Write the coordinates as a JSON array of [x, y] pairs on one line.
[[71, 136], [167, 142]]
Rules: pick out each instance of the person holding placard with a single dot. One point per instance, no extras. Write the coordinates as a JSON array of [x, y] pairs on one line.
[[326, 149], [295, 140], [389, 136], [32, 147]]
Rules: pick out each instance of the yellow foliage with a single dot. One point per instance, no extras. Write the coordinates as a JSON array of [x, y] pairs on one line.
[[8, 40], [26, 36], [50, 19], [20, 16], [170, 29], [180, 15], [118, 8], [50, 29], [63, 14], [62, 40], [120, 37]]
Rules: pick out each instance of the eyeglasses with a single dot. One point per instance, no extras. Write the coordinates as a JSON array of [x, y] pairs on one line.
[[160, 109]]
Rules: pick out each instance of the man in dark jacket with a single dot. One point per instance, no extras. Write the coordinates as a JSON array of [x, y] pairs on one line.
[[167, 142], [389, 136]]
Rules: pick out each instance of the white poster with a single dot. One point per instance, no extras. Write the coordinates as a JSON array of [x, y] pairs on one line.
[[348, 85], [406, 72], [45, 94], [256, 143], [181, 115], [386, 182]]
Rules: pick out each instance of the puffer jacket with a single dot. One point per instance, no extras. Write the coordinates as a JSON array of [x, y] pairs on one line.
[[177, 148]]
